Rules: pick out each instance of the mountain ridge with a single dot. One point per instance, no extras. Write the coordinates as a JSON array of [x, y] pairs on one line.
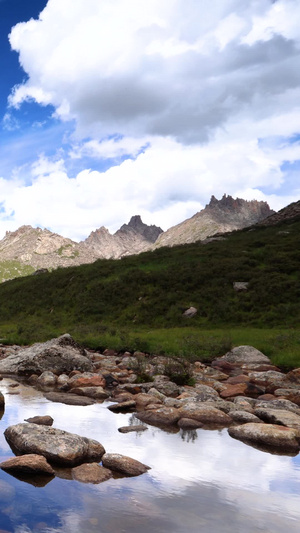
[[28, 249]]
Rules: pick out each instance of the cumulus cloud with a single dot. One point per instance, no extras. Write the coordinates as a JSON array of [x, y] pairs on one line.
[[186, 98]]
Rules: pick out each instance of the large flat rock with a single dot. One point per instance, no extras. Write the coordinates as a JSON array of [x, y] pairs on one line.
[[56, 445], [268, 435]]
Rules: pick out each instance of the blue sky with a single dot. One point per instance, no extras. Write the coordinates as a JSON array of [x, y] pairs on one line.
[[111, 108]]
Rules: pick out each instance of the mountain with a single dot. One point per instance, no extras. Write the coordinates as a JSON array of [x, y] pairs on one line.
[[219, 216], [132, 238], [29, 249], [287, 213]]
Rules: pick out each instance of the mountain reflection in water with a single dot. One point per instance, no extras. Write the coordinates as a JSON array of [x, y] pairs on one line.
[[199, 480]]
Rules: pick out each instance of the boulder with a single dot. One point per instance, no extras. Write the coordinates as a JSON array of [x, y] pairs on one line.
[[243, 417], [164, 416], [91, 473], [28, 464], [87, 379], [55, 445], [279, 416], [97, 393], [271, 379], [69, 399], [268, 435], [142, 399], [205, 393], [190, 312], [123, 464], [167, 388], [278, 403], [242, 355], [57, 355], [40, 420], [121, 407], [189, 423], [293, 395], [2, 401], [129, 429], [205, 414], [47, 379]]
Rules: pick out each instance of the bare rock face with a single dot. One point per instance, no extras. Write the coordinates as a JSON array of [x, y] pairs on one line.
[[219, 216], [56, 445], [91, 473], [57, 355], [123, 464], [28, 464]]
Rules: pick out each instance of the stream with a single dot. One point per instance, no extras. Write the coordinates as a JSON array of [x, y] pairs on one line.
[[200, 480]]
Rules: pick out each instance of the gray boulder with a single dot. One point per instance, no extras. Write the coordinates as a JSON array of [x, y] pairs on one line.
[[279, 416], [58, 355], [55, 445], [245, 354], [268, 435]]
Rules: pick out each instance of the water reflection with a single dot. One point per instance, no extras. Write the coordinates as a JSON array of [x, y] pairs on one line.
[[200, 480]]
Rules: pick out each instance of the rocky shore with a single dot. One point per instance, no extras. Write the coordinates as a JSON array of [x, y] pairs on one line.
[[242, 390]]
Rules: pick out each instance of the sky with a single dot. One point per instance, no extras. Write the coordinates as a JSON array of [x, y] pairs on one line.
[[113, 108]]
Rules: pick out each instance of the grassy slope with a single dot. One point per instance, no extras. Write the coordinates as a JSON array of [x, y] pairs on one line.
[[137, 302]]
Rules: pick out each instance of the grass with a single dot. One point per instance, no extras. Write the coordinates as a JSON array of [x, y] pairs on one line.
[[137, 303]]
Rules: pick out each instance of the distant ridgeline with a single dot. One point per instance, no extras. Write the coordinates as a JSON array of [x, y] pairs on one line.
[[28, 249]]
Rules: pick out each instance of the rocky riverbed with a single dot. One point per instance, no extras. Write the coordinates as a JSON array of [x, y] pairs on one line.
[[241, 391]]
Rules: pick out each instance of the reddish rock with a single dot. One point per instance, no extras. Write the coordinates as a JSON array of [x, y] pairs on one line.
[[189, 423], [293, 395], [87, 379], [235, 380], [142, 400], [267, 397], [28, 464], [123, 464], [91, 473], [205, 414], [294, 376], [163, 416], [97, 393], [124, 406], [234, 390], [129, 429], [41, 420]]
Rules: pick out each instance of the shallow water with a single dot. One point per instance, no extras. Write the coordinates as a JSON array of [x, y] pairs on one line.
[[200, 481]]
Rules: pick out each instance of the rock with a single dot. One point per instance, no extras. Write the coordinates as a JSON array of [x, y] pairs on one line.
[[40, 420], [240, 286], [268, 435], [242, 355], [69, 399], [62, 380], [97, 393], [2, 401], [190, 312], [279, 416], [164, 416], [278, 403], [57, 355], [167, 388], [87, 379], [129, 429], [120, 407], [234, 390], [293, 395], [28, 464], [47, 379], [205, 393], [91, 473], [189, 423], [205, 414], [271, 380], [55, 445], [123, 464], [235, 380], [244, 417], [294, 376], [142, 399]]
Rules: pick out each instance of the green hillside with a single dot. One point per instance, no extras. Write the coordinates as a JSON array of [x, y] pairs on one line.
[[115, 298]]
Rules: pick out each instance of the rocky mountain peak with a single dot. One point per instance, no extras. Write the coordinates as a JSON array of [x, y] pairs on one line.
[[149, 233]]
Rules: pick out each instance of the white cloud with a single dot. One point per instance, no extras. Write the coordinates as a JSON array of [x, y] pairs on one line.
[[202, 97]]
